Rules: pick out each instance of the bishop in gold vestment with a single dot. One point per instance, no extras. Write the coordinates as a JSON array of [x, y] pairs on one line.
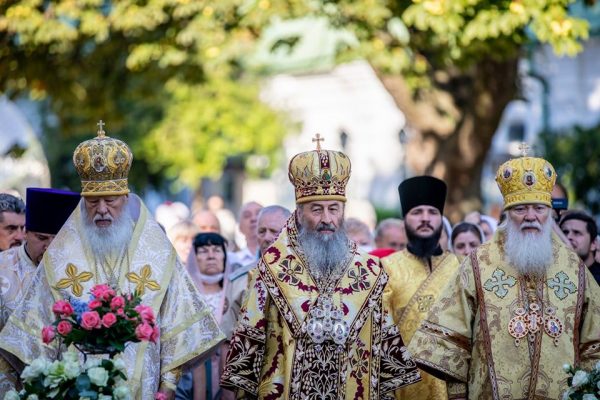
[[141, 259], [313, 328], [418, 273], [520, 306]]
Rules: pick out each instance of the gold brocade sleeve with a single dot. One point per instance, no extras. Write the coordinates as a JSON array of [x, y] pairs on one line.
[[247, 348], [589, 336], [188, 329], [442, 344]]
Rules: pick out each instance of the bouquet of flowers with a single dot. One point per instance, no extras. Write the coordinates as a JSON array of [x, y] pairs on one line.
[[105, 324], [583, 384], [67, 379]]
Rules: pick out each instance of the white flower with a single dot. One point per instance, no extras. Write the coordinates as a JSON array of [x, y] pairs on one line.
[[12, 395], [580, 378], [72, 369], [91, 363], [104, 397], [98, 376], [589, 397], [121, 393], [566, 367], [597, 366], [33, 397], [70, 356], [119, 364], [38, 367]]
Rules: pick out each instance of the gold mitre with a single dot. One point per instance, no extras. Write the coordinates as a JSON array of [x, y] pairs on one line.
[[526, 180], [319, 174], [103, 164]]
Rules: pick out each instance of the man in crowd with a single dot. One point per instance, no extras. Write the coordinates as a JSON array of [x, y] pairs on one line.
[[111, 238], [207, 221], [247, 222], [47, 210], [518, 308], [419, 272], [12, 221], [315, 323], [390, 234], [359, 233], [581, 231], [271, 221]]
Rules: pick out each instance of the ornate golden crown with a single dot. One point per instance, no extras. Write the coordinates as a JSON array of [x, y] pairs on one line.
[[526, 180], [103, 164], [319, 174]]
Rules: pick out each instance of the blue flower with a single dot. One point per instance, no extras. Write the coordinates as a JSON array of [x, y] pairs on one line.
[[79, 307]]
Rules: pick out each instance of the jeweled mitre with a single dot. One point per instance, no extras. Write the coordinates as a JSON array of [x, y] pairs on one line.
[[526, 180], [319, 175], [103, 165]]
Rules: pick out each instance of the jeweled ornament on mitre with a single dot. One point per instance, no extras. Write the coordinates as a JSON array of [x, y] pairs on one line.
[[319, 174], [526, 180], [103, 165]]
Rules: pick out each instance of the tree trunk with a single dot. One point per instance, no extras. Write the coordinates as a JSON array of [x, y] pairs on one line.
[[451, 126]]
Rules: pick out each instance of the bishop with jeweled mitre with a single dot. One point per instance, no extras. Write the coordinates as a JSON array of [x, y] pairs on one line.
[[112, 238], [316, 323]]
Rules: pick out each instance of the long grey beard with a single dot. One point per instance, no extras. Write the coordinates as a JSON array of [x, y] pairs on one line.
[[112, 240], [325, 253], [529, 253]]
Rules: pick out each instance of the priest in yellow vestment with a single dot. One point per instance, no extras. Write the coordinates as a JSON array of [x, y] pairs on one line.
[[112, 238], [315, 324], [418, 273], [518, 308]]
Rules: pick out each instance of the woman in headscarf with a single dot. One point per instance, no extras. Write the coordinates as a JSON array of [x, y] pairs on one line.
[[207, 265]]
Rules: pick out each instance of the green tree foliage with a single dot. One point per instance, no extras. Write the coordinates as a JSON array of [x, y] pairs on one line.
[[451, 66], [129, 62], [575, 154]]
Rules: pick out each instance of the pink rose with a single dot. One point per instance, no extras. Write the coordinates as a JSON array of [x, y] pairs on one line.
[[90, 320], [155, 334], [48, 334], [63, 308], [117, 302], [146, 313], [144, 331], [64, 328], [94, 304], [102, 292], [109, 319], [121, 312], [160, 396]]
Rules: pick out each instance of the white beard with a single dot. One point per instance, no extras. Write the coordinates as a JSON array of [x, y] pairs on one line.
[[530, 253], [324, 253], [111, 240]]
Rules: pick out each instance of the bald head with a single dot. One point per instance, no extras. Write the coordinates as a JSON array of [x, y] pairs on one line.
[[390, 233], [207, 221]]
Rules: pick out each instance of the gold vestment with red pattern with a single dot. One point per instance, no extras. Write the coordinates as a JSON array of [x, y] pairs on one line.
[[275, 355]]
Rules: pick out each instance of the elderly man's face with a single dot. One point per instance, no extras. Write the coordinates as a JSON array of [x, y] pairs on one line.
[[530, 218], [103, 210], [249, 218], [269, 226], [325, 216]]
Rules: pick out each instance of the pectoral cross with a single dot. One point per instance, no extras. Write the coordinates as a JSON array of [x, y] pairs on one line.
[[318, 139], [101, 132], [524, 149]]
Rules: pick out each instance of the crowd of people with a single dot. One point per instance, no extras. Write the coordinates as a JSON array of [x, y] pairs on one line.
[[306, 303]]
